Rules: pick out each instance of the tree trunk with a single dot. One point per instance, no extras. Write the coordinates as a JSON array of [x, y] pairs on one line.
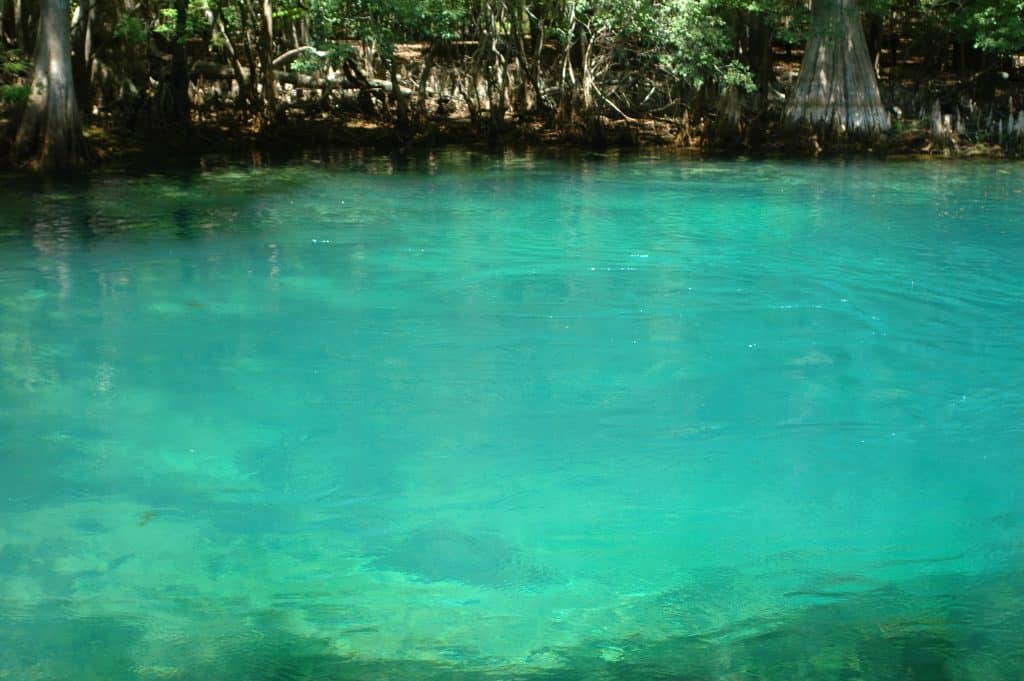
[[81, 56], [756, 50], [836, 93], [50, 132], [401, 100], [179, 66], [242, 75], [428, 67], [20, 34], [269, 113]]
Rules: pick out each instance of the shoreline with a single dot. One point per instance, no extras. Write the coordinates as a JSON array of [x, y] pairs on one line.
[[114, 145]]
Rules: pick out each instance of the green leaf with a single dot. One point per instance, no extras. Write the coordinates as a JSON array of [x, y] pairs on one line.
[[14, 93]]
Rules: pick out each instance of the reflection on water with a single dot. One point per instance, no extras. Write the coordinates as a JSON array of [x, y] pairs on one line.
[[465, 416]]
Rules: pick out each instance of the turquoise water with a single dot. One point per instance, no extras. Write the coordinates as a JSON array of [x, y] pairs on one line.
[[467, 416]]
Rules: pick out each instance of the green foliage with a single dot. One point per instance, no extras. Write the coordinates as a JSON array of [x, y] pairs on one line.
[[999, 26], [14, 93], [311, 62], [791, 20], [13, 64], [737, 75], [385, 23], [13, 68], [696, 38], [168, 18], [993, 26], [132, 30], [697, 41], [645, 55]]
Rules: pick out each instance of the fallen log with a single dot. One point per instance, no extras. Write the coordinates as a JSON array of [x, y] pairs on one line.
[[209, 69]]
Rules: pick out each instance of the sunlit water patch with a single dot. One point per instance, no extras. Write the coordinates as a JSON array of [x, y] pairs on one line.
[[464, 416]]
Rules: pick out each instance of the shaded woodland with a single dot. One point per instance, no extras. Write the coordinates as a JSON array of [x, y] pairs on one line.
[[78, 78]]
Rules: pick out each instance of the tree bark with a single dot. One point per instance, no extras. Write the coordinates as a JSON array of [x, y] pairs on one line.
[[836, 93], [81, 55], [756, 49], [401, 101], [269, 94], [50, 135], [179, 66], [20, 34]]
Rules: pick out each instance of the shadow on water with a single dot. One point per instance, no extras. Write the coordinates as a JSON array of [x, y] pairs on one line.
[[74, 205], [814, 645], [885, 635], [50, 647], [896, 638]]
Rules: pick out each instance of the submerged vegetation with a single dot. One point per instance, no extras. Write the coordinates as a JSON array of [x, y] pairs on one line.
[[733, 74]]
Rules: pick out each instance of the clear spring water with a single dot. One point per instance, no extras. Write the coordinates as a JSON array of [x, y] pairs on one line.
[[468, 416]]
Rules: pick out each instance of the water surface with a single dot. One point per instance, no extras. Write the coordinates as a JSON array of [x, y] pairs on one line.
[[463, 416]]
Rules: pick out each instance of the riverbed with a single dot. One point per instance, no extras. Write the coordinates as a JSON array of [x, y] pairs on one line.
[[464, 415]]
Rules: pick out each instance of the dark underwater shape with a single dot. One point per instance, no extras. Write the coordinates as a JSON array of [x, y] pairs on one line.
[[446, 554]]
